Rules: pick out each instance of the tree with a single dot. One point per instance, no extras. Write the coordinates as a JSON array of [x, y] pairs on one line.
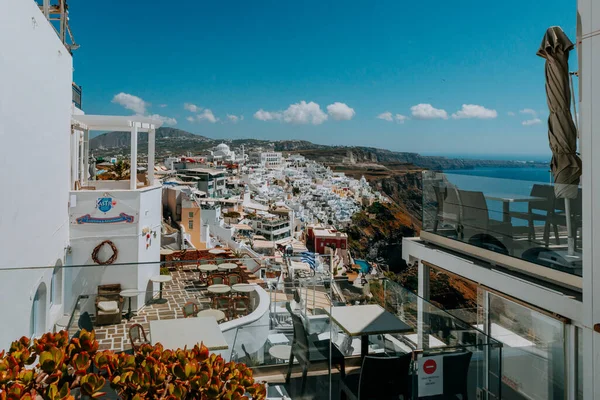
[[120, 169], [296, 191], [63, 372]]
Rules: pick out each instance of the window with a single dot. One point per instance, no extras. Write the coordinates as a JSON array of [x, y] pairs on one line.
[[191, 214], [191, 224]]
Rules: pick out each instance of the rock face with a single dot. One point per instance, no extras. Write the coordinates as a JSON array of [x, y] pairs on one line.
[[377, 232]]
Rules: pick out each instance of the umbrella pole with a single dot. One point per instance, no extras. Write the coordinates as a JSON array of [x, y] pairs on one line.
[[570, 238]]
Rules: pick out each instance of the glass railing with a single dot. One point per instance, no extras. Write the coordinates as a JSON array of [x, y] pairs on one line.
[[538, 222], [103, 299]]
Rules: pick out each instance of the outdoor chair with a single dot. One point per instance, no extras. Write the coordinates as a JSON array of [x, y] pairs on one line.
[[137, 336], [307, 351], [109, 304], [240, 305], [476, 220], [234, 279], [559, 216], [538, 211], [222, 303], [217, 279], [448, 208], [380, 377], [456, 370], [190, 309]]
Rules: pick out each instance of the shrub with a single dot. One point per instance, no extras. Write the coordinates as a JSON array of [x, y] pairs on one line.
[[62, 372]]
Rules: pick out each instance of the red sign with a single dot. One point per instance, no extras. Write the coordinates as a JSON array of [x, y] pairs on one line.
[[429, 366]]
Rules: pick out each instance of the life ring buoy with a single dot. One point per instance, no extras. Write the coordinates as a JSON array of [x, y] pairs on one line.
[[111, 259]]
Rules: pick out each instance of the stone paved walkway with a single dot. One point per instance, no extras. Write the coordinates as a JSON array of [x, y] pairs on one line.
[[183, 288]]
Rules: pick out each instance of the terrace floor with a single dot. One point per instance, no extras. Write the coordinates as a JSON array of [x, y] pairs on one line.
[[183, 288]]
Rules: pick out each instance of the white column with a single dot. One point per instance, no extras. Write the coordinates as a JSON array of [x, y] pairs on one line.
[[74, 159], [80, 173], [589, 15], [151, 155], [133, 163], [422, 306], [86, 156]]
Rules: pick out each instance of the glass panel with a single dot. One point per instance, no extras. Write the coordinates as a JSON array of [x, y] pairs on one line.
[[529, 220], [534, 350]]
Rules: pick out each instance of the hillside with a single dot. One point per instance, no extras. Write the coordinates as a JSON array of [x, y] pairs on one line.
[[378, 231], [111, 140]]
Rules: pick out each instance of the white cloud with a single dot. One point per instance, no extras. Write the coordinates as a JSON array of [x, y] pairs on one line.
[[298, 113], [165, 120], [207, 115], [427, 111], [533, 121], [529, 111], [340, 111], [191, 107], [131, 102], [263, 115], [386, 116], [474, 111], [139, 107], [304, 113], [235, 118], [511, 114], [400, 118], [190, 119]]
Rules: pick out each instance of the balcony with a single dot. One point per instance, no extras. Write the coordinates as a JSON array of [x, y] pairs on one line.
[[429, 336], [521, 225]]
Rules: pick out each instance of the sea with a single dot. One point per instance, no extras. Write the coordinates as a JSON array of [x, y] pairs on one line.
[[502, 181]]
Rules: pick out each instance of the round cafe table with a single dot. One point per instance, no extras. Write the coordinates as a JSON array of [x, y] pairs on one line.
[[219, 289], [217, 251], [129, 293], [281, 352], [218, 314], [205, 270], [243, 288], [161, 279], [227, 266]]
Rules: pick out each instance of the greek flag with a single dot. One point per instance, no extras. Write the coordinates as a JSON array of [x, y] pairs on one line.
[[309, 258]]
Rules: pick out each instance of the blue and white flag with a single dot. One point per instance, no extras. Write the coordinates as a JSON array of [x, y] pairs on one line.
[[309, 258]]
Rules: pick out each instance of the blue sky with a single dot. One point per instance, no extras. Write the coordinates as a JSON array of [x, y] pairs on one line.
[[420, 60]]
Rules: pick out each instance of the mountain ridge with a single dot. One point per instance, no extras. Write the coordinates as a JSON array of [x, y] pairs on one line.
[[178, 142]]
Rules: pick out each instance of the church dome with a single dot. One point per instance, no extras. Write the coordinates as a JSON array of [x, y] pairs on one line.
[[222, 147]]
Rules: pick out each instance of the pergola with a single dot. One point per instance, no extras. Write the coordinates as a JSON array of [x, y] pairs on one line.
[[132, 124]]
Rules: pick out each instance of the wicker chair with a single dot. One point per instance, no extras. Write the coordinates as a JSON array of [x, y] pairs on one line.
[[137, 336], [240, 305], [190, 309], [223, 303], [218, 279], [109, 304], [234, 279]]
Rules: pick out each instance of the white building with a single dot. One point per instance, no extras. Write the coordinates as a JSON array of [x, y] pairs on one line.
[[266, 159], [54, 216], [35, 121]]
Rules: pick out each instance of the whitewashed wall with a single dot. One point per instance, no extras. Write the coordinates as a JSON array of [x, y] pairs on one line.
[[145, 207], [35, 112]]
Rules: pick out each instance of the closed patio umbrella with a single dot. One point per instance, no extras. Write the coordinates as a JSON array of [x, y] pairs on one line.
[[562, 134]]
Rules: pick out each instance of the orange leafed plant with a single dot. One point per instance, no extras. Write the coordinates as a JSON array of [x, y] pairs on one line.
[[56, 368]]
